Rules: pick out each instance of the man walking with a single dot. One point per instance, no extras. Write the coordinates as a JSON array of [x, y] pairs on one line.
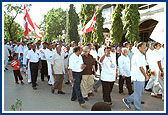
[[76, 67], [35, 61], [58, 70], [87, 81], [138, 76]]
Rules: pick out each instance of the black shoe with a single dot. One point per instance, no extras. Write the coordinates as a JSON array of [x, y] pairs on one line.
[[86, 99], [150, 90], [52, 90], [35, 88], [22, 82], [6, 68], [61, 92]]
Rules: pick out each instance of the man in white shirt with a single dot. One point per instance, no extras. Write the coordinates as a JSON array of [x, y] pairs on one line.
[[124, 72], [58, 70], [16, 47], [35, 62], [44, 69], [20, 49], [76, 66], [108, 74], [150, 54], [72, 46], [138, 76], [134, 48], [49, 54], [6, 55]]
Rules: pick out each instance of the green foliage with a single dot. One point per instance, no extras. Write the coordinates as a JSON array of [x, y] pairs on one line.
[[132, 19], [98, 36], [53, 24], [73, 24], [17, 106], [16, 30], [86, 13], [117, 25], [11, 11]]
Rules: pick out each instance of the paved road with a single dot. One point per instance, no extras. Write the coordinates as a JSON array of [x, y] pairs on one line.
[[43, 100]]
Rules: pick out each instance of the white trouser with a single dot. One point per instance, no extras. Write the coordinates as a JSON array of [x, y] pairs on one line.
[[51, 81], [161, 82], [150, 82], [5, 63]]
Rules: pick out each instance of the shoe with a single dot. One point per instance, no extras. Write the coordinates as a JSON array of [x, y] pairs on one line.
[[50, 84], [6, 68], [67, 83], [126, 103], [149, 90], [35, 88], [82, 105], [122, 93], [109, 103], [42, 80], [86, 99], [22, 82], [61, 92], [90, 94], [52, 90], [17, 82], [76, 100], [29, 82], [95, 90]]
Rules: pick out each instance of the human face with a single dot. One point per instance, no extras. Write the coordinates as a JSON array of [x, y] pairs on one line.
[[158, 46], [142, 49], [112, 49], [86, 51], [107, 51], [124, 52], [130, 47]]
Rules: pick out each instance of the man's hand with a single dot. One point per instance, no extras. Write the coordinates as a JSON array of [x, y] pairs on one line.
[[147, 77], [161, 74], [83, 66], [72, 79], [53, 73]]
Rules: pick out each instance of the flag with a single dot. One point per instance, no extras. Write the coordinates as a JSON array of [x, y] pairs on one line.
[[29, 25], [107, 41], [90, 25]]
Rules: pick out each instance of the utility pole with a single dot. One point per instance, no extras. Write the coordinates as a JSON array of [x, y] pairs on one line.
[[66, 25]]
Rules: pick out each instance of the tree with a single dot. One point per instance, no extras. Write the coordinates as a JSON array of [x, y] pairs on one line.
[[86, 13], [13, 11], [132, 19], [117, 25], [98, 36], [16, 30], [54, 24], [73, 24]]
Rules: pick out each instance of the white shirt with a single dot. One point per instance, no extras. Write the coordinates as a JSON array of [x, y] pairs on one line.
[[42, 54], [75, 63], [151, 61], [134, 49], [24, 56], [93, 53], [113, 54], [101, 52], [138, 60], [161, 56], [124, 65], [58, 63], [108, 72], [71, 50], [33, 56], [6, 53], [15, 49], [20, 49]]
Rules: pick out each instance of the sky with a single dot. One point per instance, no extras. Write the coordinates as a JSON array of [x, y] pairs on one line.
[[38, 9]]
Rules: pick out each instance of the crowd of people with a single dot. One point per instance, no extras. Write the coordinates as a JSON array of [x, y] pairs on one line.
[[78, 65]]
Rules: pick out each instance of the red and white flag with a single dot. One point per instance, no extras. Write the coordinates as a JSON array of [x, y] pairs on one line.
[[107, 41], [29, 25], [90, 25]]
